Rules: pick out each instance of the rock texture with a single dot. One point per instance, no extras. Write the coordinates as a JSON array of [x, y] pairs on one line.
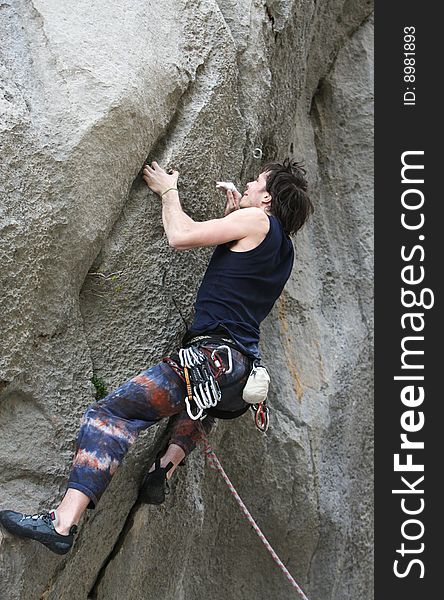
[[89, 91]]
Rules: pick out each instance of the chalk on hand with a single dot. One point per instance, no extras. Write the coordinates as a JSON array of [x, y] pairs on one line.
[[226, 185]]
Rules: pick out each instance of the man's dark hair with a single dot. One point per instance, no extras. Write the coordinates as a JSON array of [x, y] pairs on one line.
[[287, 186]]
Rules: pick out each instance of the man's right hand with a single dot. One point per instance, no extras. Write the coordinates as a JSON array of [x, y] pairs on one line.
[[232, 202], [233, 196]]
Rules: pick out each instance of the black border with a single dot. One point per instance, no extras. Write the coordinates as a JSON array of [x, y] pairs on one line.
[[401, 128]]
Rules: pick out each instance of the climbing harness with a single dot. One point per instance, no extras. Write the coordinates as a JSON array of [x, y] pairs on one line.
[[192, 364], [202, 387], [214, 463]]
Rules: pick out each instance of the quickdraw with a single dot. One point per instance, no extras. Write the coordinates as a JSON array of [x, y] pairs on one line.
[[202, 387]]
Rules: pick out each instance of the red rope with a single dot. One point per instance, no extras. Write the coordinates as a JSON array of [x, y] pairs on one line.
[[215, 464]]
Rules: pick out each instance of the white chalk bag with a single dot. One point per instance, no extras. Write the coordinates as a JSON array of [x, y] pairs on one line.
[[256, 388]]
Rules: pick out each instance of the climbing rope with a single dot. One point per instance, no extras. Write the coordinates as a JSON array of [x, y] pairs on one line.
[[215, 464]]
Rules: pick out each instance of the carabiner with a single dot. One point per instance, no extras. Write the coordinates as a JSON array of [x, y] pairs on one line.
[[261, 417], [190, 412], [230, 358]]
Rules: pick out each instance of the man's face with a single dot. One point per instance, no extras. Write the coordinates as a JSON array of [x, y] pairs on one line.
[[255, 193]]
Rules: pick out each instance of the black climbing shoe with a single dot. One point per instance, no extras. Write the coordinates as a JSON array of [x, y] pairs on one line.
[[155, 485], [38, 527]]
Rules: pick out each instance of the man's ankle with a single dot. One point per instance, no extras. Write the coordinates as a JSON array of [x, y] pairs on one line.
[[62, 525]]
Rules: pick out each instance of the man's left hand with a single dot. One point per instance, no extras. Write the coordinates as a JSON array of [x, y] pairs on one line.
[[157, 179]]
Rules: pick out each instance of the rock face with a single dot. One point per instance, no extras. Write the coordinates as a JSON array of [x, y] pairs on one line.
[[89, 91]]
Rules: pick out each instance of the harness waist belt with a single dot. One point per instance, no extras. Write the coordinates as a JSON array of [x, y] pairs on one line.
[[217, 339]]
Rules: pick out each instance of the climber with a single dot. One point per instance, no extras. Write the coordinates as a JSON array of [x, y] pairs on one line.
[[249, 267]]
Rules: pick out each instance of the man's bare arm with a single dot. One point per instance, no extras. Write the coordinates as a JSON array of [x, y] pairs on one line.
[[183, 232]]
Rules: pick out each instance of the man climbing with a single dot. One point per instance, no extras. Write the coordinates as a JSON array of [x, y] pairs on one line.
[[250, 265]]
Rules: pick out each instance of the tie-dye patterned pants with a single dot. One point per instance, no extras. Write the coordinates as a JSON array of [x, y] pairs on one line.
[[110, 426]]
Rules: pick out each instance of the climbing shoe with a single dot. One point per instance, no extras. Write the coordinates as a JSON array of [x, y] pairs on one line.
[[155, 486], [38, 527]]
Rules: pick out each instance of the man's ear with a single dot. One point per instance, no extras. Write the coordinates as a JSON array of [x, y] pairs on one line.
[[267, 200]]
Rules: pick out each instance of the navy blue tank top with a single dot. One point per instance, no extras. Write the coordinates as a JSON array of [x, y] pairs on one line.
[[239, 289]]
